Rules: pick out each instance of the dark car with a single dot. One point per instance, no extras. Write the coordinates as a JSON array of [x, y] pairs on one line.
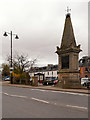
[[55, 81], [50, 81], [88, 85], [47, 82]]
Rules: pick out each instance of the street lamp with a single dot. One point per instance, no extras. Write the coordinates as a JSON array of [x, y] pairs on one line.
[[16, 37]]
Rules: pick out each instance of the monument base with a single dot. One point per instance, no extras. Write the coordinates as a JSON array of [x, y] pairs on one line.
[[68, 80]]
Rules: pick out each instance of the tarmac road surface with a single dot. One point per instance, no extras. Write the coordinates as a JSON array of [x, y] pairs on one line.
[[37, 103]]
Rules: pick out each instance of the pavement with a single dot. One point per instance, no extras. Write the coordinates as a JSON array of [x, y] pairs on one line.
[[82, 90]]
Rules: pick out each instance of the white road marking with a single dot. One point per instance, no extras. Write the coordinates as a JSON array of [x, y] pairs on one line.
[[32, 89], [43, 101], [77, 107], [19, 96], [15, 95], [71, 93], [40, 100], [39, 89], [6, 94]]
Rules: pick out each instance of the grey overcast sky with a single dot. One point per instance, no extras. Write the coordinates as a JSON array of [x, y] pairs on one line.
[[39, 25]]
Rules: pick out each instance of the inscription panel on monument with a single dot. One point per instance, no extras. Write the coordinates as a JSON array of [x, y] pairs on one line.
[[65, 62]]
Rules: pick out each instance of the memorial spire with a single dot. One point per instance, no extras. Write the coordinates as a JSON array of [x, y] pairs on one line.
[[68, 38]]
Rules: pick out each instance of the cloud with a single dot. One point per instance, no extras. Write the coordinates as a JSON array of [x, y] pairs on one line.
[[40, 24]]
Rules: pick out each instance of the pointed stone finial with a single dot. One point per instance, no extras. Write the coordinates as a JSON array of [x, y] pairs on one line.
[[68, 12]]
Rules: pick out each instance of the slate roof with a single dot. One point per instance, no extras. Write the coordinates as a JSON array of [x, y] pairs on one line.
[[45, 68]]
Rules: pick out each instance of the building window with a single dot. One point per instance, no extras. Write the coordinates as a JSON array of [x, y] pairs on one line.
[[52, 72], [86, 69], [48, 73]]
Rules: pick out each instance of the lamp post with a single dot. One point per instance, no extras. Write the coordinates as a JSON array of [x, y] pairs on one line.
[[16, 37]]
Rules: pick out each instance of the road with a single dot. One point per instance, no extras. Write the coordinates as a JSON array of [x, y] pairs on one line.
[[36, 103]]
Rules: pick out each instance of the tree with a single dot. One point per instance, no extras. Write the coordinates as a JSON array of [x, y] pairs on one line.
[[5, 70], [21, 63], [22, 66]]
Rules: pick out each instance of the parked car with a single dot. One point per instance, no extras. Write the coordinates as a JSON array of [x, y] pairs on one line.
[[7, 78], [55, 81], [85, 82], [88, 84], [50, 81], [47, 82]]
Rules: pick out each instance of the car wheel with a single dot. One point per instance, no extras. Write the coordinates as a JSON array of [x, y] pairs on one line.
[[88, 86]]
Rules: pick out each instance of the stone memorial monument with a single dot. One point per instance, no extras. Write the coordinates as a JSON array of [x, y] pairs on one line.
[[68, 52]]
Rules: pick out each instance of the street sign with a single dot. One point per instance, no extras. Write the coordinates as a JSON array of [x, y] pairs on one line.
[[10, 71], [11, 68]]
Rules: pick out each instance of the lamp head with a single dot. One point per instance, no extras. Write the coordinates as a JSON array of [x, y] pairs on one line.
[[16, 37], [5, 34]]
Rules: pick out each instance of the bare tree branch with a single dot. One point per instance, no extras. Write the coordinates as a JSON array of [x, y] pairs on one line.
[[22, 62]]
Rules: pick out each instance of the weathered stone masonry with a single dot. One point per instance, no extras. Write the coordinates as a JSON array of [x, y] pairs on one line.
[[68, 52]]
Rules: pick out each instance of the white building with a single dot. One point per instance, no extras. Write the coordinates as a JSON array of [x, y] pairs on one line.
[[45, 72]]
